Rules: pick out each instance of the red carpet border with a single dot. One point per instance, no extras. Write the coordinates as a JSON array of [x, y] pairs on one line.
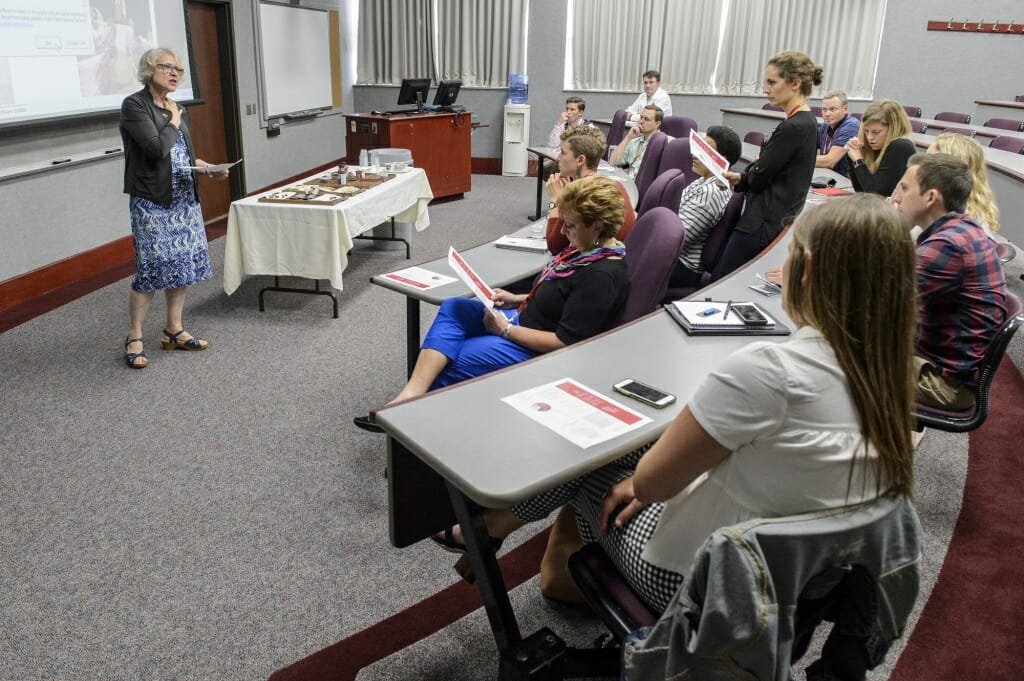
[[343, 660]]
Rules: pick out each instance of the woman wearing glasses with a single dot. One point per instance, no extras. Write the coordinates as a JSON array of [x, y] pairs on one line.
[[167, 225]]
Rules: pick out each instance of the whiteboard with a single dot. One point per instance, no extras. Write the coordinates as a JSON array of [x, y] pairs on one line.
[[296, 57]]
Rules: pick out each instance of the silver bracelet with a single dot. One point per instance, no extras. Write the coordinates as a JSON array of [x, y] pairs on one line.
[[507, 332]]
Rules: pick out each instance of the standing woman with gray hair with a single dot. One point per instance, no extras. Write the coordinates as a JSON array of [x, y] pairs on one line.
[[171, 252]]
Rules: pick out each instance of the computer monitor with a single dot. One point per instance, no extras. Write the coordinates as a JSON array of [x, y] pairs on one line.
[[414, 91], [447, 92]]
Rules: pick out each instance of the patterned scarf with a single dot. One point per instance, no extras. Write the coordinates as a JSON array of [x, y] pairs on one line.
[[570, 260]]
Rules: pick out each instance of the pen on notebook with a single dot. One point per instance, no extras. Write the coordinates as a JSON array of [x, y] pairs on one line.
[[727, 306]]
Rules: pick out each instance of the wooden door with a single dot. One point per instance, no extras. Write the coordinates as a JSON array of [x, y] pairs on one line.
[[209, 123]]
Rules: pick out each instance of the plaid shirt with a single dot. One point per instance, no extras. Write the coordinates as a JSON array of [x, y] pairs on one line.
[[962, 295]]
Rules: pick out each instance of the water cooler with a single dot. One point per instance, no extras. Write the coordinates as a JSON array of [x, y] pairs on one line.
[[515, 140]]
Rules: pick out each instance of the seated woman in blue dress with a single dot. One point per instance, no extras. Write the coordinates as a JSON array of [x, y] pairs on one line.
[[579, 294], [820, 420]]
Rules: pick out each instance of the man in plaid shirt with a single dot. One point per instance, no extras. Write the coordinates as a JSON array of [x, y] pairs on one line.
[[960, 282]]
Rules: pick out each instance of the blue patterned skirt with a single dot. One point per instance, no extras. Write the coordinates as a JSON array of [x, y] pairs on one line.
[[170, 241]]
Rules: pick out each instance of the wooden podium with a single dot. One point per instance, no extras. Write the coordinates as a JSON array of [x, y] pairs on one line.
[[439, 142]]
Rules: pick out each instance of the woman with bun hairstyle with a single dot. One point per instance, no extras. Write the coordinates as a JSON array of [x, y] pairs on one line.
[[776, 184]]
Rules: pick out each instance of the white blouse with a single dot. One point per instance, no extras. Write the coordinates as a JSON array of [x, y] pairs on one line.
[[786, 413]]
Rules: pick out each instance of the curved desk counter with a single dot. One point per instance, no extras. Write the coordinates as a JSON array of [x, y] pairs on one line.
[[996, 108], [1006, 169]]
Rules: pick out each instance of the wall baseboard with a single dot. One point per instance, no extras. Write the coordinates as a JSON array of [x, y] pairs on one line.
[[34, 293]]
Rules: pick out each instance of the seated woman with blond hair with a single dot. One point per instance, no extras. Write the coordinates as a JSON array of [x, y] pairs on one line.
[[820, 420], [982, 203], [880, 150], [578, 294]]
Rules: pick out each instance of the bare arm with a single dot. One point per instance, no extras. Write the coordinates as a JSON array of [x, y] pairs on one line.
[[829, 160], [531, 339], [681, 454]]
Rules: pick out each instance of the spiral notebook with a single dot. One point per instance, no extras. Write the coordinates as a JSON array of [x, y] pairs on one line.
[[713, 318]]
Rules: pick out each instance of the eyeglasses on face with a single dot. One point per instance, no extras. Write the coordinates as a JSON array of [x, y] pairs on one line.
[[168, 68]]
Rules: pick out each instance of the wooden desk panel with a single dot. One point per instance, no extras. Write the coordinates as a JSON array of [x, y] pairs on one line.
[[439, 142]]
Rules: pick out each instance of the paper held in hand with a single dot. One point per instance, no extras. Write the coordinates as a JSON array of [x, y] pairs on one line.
[[219, 168], [470, 278], [706, 154]]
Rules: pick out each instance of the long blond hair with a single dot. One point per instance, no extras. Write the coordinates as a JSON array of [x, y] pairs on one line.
[[859, 264], [982, 203], [892, 115]]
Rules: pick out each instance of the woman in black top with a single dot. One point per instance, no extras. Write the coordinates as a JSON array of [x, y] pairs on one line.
[[880, 150], [776, 183], [580, 293]]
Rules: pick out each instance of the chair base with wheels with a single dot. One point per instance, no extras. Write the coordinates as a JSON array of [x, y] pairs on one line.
[[963, 421]]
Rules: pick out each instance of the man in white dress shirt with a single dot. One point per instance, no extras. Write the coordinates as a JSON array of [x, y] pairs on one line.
[[652, 94]]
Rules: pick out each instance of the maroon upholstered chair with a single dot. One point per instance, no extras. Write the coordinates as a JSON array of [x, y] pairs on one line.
[[616, 132], [769, 107], [754, 137], [652, 247], [678, 126], [857, 115], [648, 169], [714, 244], [674, 191], [677, 155], [918, 125], [654, 193], [912, 111], [963, 421], [816, 110], [1014, 145], [1005, 124], [953, 117], [1005, 252]]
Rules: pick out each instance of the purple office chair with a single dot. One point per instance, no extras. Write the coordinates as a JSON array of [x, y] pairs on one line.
[[1019, 98], [918, 125], [674, 192], [912, 111], [1005, 124], [769, 107], [816, 110], [754, 137], [966, 132], [677, 155], [963, 421], [649, 164], [857, 115], [616, 132], [652, 247], [678, 126], [1005, 252], [1014, 145], [654, 193], [953, 117], [715, 243]]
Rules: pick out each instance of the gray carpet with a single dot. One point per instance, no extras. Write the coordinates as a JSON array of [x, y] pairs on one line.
[[216, 515]]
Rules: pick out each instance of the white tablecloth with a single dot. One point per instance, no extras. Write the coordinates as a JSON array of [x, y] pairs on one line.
[[313, 241]]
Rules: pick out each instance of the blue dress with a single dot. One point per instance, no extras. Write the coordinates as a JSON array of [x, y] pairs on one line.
[[170, 241]]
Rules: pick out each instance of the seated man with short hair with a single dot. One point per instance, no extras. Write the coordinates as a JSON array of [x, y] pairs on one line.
[[838, 128], [653, 94], [702, 205], [960, 281], [630, 152]]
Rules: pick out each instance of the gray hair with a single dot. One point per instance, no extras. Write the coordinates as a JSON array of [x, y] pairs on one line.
[[837, 94], [149, 60]]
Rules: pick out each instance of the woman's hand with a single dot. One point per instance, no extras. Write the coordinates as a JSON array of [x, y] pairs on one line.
[[219, 175], [774, 275], [175, 110], [495, 322], [853, 149], [734, 178], [619, 496], [503, 298], [555, 184]]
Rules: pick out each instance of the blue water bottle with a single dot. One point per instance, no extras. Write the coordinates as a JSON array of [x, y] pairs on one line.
[[518, 88]]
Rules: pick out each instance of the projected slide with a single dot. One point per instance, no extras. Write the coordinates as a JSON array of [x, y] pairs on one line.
[[67, 57]]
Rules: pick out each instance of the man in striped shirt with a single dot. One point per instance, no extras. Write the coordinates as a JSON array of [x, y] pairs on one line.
[[702, 205]]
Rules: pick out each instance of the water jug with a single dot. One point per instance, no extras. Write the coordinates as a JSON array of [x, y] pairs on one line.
[[518, 88]]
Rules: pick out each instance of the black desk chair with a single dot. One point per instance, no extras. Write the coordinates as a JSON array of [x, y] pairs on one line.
[[782, 577], [963, 421]]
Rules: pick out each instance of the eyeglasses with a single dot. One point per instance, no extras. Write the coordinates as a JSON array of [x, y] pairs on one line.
[[168, 68]]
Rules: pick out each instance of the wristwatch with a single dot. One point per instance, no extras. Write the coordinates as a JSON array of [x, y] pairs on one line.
[[552, 205], [858, 163], [507, 331]]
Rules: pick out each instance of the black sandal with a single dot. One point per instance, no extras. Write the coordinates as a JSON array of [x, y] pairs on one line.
[[172, 342], [130, 357], [368, 423]]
